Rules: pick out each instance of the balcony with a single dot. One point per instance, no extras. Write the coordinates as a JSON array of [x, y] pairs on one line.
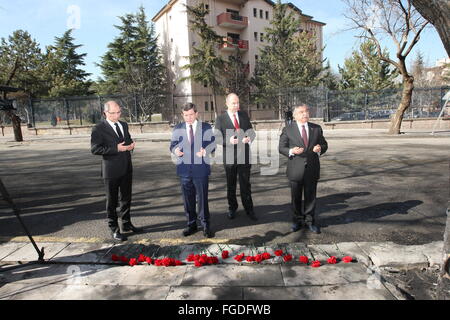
[[231, 20], [231, 44]]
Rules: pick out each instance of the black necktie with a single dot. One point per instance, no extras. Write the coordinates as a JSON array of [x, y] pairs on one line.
[[119, 132]]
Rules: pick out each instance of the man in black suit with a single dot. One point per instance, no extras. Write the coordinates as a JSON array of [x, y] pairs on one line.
[[303, 142], [192, 142], [236, 132], [110, 139]]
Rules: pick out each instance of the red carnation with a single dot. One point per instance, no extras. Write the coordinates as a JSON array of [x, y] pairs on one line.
[[148, 260], [178, 263], [332, 260], [250, 259], [239, 257], [197, 263], [203, 259], [259, 258], [287, 257], [158, 262], [132, 262], [225, 254], [304, 259], [278, 253], [266, 255], [315, 264], [167, 262], [124, 259], [115, 257], [347, 259], [141, 258], [190, 257], [213, 260]]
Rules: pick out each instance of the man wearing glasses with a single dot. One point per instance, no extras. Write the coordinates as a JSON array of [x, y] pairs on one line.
[[110, 139]]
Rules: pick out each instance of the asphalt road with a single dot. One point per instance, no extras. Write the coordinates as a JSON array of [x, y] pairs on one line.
[[372, 188]]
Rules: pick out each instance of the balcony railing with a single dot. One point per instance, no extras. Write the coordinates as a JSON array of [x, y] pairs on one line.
[[231, 44], [232, 20]]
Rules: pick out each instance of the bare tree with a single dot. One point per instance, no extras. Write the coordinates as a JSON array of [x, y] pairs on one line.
[[437, 12], [401, 22]]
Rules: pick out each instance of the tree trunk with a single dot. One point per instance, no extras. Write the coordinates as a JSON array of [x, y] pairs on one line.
[[438, 13], [396, 122], [15, 120]]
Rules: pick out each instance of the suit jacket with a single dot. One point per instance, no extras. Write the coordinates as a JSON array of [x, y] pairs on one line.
[[104, 141], [308, 160], [224, 129], [189, 165]]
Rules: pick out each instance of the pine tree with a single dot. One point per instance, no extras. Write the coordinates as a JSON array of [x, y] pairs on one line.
[[66, 78], [291, 60], [206, 65], [133, 65], [365, 71]]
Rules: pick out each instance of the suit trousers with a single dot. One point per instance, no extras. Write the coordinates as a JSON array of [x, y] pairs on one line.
[[232, 171], [304, 211], [118, 191], [195, 194]]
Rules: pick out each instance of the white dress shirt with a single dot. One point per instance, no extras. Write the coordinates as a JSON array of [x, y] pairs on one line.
[[112, 124], [299, 125], [194, 127], [232, 117]]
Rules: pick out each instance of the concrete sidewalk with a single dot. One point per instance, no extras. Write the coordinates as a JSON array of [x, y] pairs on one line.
[[86, 271]]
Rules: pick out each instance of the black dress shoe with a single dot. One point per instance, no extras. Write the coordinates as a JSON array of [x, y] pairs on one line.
[[314, 228], [252, 215], [295, 227], [131, 228], [118, 236], [190, 230], [231, 214], [208, 233]]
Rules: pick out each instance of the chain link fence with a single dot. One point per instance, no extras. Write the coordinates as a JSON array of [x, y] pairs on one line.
[[325, 104]]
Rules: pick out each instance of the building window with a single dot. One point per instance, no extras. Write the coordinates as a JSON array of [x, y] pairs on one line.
[[206, 105], [257, 105], [256, 57], [205, 84], [267, 15], [212, 106], [261, 37], [261, 14], [255, 34], [255, 12]]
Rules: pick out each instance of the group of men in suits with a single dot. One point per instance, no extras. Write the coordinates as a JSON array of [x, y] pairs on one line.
[[192, 144]]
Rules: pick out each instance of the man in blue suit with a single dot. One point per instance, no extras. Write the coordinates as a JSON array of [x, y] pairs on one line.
[[192, 142]]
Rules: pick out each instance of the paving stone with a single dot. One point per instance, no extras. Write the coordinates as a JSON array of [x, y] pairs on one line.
[[28, 252], [341, 273], [97, 274], [389, 254], [153, 276], [205, 293], [9, 247], [434, 251], [83, 253], [35, 291], [233, 275], [352, 291], [35, 274], [352, 249], [111, 292]]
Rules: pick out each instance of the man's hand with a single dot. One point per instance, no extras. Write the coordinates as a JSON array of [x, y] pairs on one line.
[[131, 146], [121, 147], [297, 150], [317, 148], [246, 140], [234, 140], [201, 153], [178, 152]]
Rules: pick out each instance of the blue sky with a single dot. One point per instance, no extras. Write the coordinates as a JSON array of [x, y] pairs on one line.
[[45, 19]]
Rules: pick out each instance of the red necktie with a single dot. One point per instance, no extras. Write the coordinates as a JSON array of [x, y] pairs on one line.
[[236, 123], [304, 136], [191, 134]]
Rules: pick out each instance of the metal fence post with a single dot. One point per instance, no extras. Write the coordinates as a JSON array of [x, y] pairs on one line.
[[33, 120], [67, 111], [136, 108]]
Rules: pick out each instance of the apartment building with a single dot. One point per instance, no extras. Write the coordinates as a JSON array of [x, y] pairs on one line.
[[241, 22]]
